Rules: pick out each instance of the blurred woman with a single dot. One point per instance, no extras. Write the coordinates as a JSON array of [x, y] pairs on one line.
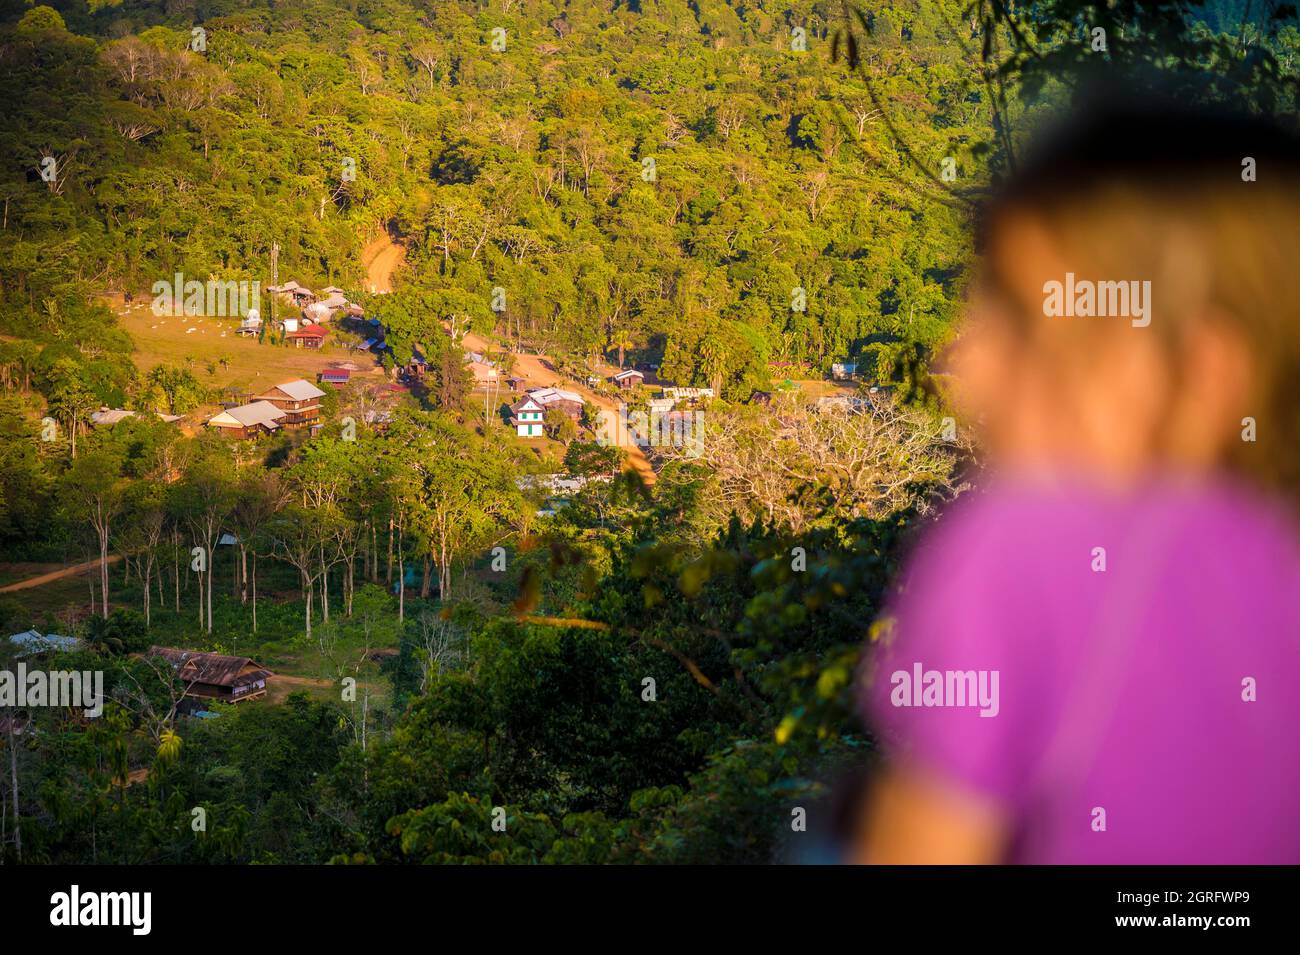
[[1095, 656]]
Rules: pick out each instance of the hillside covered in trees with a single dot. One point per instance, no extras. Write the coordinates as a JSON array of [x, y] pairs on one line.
[[656, 179]]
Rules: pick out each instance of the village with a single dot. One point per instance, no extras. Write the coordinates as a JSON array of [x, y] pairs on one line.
[[626, 407], [331, 353]]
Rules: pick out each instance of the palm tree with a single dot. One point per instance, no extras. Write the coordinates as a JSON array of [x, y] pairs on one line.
[[714, 355], [622, 341]]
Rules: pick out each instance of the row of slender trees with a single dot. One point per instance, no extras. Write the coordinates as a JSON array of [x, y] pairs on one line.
[[427, 492]]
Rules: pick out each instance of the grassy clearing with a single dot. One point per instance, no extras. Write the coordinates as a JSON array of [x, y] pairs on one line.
[[42, 607], [820, 388], [249, 364]]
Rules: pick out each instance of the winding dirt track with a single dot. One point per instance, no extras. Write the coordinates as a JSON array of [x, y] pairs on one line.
[[43, 579], [382, 256]]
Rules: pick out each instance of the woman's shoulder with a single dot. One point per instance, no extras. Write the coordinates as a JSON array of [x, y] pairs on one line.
[[1016, 513], [1021, 540]]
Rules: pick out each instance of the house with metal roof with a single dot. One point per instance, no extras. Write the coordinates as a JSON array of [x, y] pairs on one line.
[[32, 642], [107, 417], [248, 421], [570, 402], [298, 399]]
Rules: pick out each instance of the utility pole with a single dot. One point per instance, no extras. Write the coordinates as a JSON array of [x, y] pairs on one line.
[[491, 390], [275, 276]]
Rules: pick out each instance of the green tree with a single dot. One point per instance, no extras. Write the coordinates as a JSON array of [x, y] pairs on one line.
[[94, 491]]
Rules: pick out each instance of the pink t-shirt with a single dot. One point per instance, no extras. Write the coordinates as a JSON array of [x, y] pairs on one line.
[[1120, 673]]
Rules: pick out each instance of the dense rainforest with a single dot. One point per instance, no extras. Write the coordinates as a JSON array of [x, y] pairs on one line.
[[729, 193]]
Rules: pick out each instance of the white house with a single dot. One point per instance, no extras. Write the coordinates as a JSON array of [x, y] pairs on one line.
[[527, 416]]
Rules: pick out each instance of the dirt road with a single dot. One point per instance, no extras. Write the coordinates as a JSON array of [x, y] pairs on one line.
[[300, 680], [43, 579], [381, 257]]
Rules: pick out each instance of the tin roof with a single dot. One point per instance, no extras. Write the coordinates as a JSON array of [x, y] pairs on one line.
[[215, 669], [259, 412], [300, 390]]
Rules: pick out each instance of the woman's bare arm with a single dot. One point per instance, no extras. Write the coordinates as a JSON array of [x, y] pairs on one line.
[[916, 819]]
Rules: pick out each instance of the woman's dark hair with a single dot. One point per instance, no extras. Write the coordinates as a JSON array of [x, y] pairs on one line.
[[1151, 143]]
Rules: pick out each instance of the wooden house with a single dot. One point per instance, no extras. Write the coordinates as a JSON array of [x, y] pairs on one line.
[[414, 370], [326, 307], [527, 416], [335, 376], [250, 326], [300, 294], [215, 676], [310, 335], [248, 421], [629, 378], [297, 399]]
